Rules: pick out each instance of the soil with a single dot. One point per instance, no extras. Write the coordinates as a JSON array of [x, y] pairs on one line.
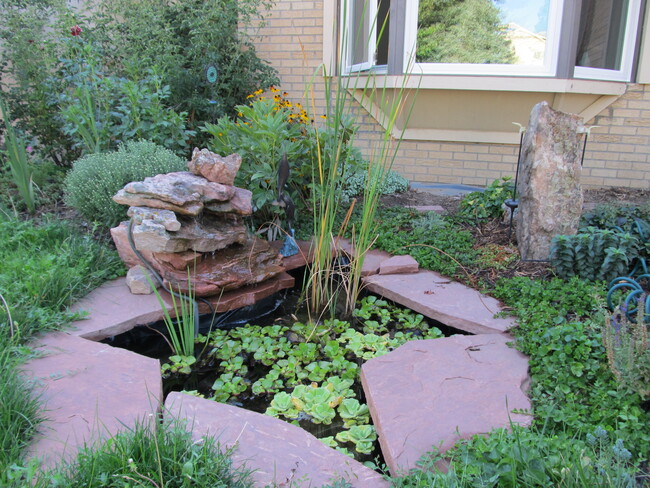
[[496, 236]]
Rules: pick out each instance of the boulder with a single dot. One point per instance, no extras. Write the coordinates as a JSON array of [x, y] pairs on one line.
[[139, 281], [214, 167], [550, 195], [227, 269], [181, 192]]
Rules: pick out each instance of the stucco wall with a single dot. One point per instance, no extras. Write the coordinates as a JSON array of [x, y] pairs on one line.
[[618, 152]]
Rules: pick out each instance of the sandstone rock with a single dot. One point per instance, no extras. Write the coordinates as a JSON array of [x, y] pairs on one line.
[[278, 453], [179, 260], [550, 196], [121, 240], [435, 392], [181, 192], [399, 265], [241, 203], [214, 167], [437, 297], [139, 281], [88, 392], [165, 217], [228, 269], [208, 234]]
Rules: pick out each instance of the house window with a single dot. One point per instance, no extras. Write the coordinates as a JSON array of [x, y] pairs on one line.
[[499, 37]]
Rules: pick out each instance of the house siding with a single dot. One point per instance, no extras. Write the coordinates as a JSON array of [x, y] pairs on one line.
[[618, 151]]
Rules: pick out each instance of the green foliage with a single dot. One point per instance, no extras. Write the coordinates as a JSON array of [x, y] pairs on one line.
[[462, 31], [265, 131], [182, 328], [262, 135], [94, 179], [608, 216], [480, 206], [628, 351], [150, 454], [528, 458], [15, 155], [16, 430], [572, 389], [435, 243], [594, 254], [28, 58], [180, 40], [45, 268], [356, 182], [100, 110]]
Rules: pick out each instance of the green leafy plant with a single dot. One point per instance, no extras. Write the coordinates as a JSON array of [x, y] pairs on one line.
[[353, 413], [628, 350], [99, 110], [362, 436], [594, 254], [196, 35], [16, 157], [94, 179], [480, 206], [177, 365], [150, 454], [183, 327], [355, 182], [228, 385]]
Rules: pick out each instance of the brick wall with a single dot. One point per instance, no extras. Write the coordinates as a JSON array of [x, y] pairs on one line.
[[618, 152]]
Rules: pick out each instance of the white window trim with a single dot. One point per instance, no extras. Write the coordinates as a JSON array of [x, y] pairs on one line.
[[347, 40], [549, 69]]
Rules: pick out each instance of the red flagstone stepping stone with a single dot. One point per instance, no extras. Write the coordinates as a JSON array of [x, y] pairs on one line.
[[435, 392], [441, 299], [280, 453], [112, 309], [404, 264], [372, 261], [88, 391]]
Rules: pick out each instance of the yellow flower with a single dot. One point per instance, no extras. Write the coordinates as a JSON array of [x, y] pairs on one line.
[[250, 96], [323, 116], [274, 89], [239, 114]]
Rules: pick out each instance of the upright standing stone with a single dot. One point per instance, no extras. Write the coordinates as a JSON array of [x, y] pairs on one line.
[[550, 195]]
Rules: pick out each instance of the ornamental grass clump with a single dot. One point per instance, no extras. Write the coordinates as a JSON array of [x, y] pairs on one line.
[[94, 179]]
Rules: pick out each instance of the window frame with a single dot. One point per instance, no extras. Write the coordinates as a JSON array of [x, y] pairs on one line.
[[564, 18]]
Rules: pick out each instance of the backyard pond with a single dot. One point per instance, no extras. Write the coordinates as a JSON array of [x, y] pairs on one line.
[[284, 366]]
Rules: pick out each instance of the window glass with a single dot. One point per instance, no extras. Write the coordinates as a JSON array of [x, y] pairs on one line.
[[602, 34], [482, 31]]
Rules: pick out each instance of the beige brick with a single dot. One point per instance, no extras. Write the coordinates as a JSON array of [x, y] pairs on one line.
[[592, 181], [465, 156], [623, 130], [475, 181], [606, 173], [501, 167], [502, 150], [640, 157], [643, 182], [629, 174], [621, 147]]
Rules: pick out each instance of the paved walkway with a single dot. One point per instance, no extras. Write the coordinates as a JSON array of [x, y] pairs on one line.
[[92, 390]]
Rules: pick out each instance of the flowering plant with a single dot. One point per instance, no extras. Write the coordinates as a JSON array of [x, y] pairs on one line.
[[264, 131]]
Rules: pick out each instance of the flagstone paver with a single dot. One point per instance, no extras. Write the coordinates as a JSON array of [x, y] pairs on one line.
[[281, 454], [437, 297], [88, 391], [435, 392]]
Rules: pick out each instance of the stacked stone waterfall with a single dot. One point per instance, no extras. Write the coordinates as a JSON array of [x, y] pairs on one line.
[[194, 220]]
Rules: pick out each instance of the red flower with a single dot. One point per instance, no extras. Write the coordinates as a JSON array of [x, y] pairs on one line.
[[75, 31]]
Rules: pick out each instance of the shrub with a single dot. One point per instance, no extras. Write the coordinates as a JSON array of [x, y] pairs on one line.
[[355, 183], [483, 205], [182, 41], [94, 179]]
